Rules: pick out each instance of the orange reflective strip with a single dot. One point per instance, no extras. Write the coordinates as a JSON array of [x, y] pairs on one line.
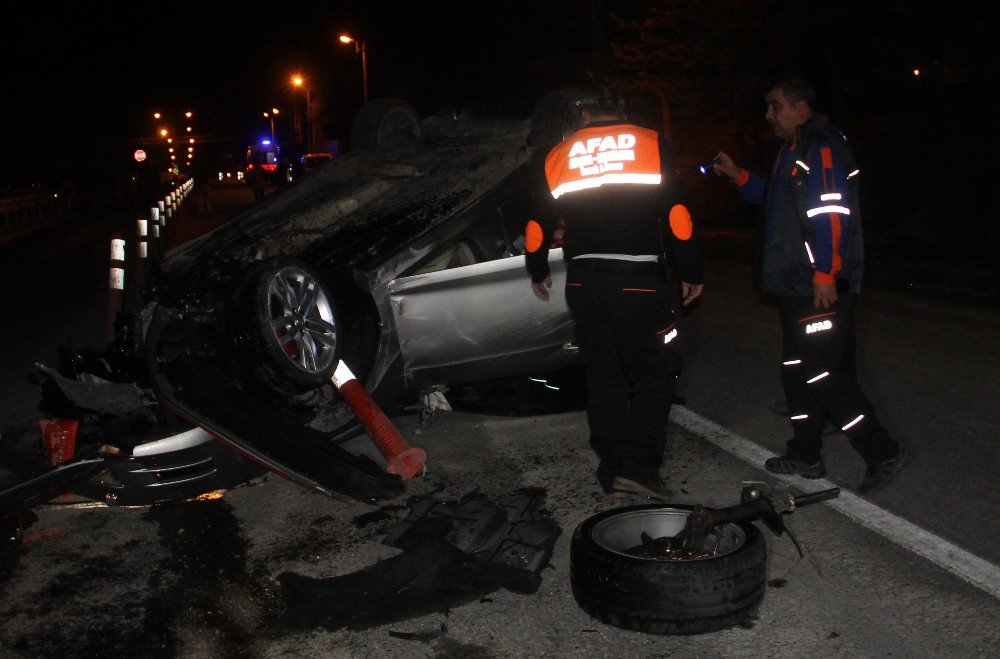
[[641, 290], [573, 283], [532, 236], [822, 315], [835, 231], [667, 328], [826, 156], [680, 222]]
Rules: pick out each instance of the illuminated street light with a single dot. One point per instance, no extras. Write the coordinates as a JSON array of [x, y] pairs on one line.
[[163, 132], [359, 47], [271, 115], [299, 81]]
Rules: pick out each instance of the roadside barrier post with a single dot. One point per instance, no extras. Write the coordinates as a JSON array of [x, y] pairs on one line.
[[154, 233], [403, 460], [167, 214], [116, 282], [141, 255]]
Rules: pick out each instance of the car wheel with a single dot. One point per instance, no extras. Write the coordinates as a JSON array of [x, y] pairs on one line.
[[385, 123], [554, 117], [623, 577], [293, 326]]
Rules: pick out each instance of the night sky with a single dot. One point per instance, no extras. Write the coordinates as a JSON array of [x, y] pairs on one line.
[[80, 74], [83, 76]]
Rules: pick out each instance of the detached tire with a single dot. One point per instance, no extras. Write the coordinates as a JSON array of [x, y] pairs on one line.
[[292, 327], [616, 584], [385, 123]]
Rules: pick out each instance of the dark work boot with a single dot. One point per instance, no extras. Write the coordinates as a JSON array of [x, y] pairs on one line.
[[787, 465], [650, 488], [879, 474]]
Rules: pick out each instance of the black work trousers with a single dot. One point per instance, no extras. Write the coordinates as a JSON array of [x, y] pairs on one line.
[[626, 329], [819, 380]]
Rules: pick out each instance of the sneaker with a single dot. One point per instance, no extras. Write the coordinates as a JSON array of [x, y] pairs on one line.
[[787, 465], [617, 499], [879, 475], [651, 489]]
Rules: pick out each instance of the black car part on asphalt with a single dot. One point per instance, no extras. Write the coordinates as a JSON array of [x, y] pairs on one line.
[[678, 569], [453, 552]]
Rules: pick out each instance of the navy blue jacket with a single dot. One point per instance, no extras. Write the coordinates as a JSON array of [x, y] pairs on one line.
[[811, 226]]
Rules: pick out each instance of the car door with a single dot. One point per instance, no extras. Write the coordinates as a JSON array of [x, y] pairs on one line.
[[481, 321]]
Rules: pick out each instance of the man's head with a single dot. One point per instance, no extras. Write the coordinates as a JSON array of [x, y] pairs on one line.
[[791, 101], [605, 105]]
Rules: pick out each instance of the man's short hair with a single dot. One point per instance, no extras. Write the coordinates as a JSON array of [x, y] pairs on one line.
[[796, 86], [605, 102]]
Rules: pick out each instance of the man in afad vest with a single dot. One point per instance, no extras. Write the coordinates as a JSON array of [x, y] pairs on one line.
[[613, 189]]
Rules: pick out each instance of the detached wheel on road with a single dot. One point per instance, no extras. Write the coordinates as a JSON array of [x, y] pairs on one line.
[[624, 573], [385, 123], [293, 327]]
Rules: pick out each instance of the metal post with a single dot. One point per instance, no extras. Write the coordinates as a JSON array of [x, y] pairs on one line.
[[116, 282], [141, 254], [364, 68], [154, 232], [309, 121]]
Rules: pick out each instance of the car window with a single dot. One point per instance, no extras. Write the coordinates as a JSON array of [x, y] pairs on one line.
[[453, 256], [493, 229]]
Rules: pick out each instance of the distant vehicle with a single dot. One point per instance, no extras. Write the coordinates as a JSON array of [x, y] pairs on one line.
[[311, 161], [266, 156]]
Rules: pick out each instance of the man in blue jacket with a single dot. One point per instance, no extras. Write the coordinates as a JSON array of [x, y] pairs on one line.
[[810, 255]]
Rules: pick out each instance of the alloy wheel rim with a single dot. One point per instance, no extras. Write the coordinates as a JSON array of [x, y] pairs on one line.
[[302, 320]]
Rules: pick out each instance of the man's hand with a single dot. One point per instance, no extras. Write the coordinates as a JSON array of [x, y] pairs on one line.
[[824, 295], [726, 166], [541, 288], [690, 292]]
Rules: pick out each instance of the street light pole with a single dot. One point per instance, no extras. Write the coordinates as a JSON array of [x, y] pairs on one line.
[[310, 124], [299, 81], [364, 68], [359, 47], [271, 115]]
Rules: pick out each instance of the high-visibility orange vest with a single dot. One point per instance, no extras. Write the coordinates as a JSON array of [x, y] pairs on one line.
[[604, 155]]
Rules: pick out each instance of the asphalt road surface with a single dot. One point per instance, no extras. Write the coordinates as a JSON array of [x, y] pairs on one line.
[[908, 571]]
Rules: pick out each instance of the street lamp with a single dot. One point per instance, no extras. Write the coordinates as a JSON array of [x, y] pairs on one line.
[[299, 81], [359, 47], [271, 115]]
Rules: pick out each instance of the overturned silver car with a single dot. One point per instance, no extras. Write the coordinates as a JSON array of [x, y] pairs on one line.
[[402, 258]]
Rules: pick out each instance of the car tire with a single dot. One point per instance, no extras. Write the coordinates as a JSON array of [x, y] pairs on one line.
[[554, 117], [385, 123], [614, 582], [292, 327]]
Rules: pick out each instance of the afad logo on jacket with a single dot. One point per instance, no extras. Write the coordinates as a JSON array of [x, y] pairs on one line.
[[603, 155]]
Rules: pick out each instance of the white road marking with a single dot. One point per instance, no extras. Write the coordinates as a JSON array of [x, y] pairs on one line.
[[967, 566]]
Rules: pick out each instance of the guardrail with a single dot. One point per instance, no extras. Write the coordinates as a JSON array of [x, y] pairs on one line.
[[28, 212]]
